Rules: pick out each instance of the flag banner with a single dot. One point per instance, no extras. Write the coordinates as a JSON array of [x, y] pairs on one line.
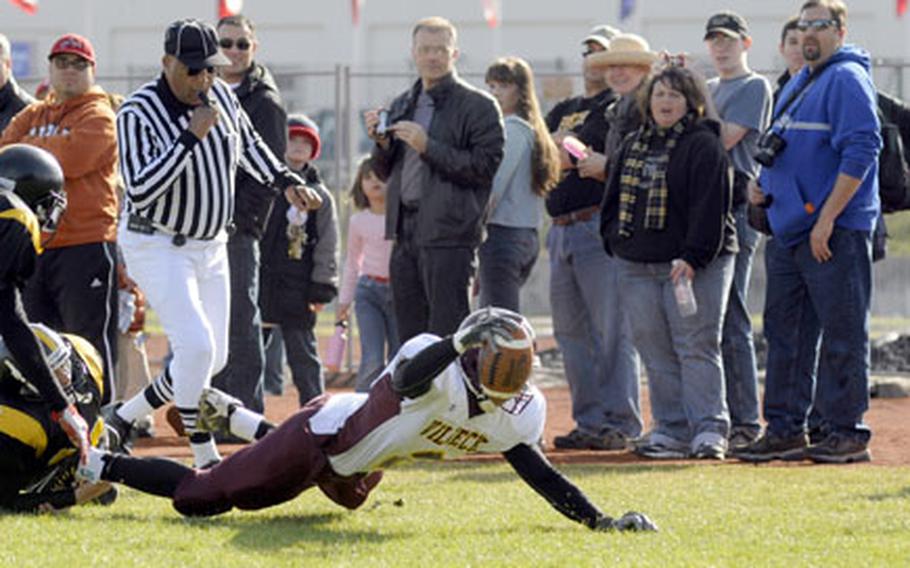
[[491, 11], [356, 5], [27, 6], [626, 9], [901, 7], [229, 8]]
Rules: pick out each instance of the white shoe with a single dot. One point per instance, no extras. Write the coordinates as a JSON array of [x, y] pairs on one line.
[[91, 471], [215, 409]]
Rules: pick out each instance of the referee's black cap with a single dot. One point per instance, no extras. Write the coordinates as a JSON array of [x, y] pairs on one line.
[[194, 43]]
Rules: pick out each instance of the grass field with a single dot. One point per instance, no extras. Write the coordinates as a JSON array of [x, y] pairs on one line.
[[481, 514]]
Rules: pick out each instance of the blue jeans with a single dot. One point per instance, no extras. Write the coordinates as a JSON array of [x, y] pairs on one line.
[[589, 325], [376, 323], [242, 376], [838, 293], [506, 260], [740, 372], [275, 360], [682, 355]]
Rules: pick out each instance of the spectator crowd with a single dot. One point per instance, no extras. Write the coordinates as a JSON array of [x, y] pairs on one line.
[[200, 194]]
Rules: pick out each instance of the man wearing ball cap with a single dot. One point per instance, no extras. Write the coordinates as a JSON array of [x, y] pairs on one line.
[[439, 398]]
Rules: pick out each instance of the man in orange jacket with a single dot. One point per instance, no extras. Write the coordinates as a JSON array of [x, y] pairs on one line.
[[74, 288]]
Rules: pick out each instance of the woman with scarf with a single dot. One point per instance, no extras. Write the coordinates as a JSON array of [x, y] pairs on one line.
[[666, 216]]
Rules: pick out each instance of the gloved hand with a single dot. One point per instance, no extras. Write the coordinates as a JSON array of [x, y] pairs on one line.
[[76, 429], [631, 521], [484, 331]]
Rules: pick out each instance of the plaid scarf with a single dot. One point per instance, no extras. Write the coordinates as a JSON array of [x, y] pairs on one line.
[[649, 139]]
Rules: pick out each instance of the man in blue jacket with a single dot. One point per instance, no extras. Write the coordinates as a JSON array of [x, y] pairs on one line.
[[823, 190]]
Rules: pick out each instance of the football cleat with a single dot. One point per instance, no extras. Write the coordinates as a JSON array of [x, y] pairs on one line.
[[215, 409], [118, 430]]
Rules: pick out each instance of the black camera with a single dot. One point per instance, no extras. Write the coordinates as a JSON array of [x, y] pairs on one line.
[[769, 146]]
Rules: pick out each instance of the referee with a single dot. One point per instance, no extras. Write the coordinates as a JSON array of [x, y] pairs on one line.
[[181, 139]]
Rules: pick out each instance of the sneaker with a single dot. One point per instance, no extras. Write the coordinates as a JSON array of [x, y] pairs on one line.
[[741, 437], [837, 448], [708, 451], [119, 431], [772, 447], [215, 409], [659, 446], [578, 440]]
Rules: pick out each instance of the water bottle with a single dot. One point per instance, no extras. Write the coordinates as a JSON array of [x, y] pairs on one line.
[[685, 296], [335, 352]]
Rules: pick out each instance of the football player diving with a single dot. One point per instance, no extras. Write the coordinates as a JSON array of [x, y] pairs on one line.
[[37, 459], [31, 201], [439, 398]]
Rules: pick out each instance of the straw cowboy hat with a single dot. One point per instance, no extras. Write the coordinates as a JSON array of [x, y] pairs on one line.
[[625, 49]]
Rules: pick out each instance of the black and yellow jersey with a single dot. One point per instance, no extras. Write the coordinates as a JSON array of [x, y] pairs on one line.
[[20, 235], [31, 443]]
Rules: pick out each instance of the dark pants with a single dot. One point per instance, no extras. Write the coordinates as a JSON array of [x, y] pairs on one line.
[[273, 470], [242, 376], [838, 294], [303, 357], [430, 285], [74, 290], [506, 260]]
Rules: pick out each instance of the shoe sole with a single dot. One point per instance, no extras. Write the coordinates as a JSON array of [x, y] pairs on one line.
[[796, 454], [858, 457], [664, 455]]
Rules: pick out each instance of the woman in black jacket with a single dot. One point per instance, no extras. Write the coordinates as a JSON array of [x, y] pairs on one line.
[[666, 216]]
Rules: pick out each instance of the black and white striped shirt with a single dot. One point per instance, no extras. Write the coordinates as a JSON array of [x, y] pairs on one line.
[[183, 184]]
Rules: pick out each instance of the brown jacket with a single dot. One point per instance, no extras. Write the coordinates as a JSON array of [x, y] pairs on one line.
[[81, 134]]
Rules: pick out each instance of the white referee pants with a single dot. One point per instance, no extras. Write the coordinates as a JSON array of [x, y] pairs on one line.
[[189, 289]]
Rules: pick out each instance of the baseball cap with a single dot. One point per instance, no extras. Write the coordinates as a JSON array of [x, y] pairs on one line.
[[302, 125], [194, 43], [601, 35], [75, 44], [728, 23]]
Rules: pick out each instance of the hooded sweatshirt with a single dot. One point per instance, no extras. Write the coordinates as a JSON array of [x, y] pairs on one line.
[[80, 133], [831, 129]]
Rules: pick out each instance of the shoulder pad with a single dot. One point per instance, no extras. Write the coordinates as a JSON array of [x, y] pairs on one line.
[[15, 210]]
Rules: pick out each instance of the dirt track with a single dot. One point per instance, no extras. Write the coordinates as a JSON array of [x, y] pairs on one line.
[[887, 418]]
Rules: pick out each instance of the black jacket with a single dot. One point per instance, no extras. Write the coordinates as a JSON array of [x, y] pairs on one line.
[[259, 97], [465, 146], [700, 225], [287, 286], [12, 100]]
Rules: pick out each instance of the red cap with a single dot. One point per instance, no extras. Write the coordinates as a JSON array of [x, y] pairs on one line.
[[308, 132], [75, 44]]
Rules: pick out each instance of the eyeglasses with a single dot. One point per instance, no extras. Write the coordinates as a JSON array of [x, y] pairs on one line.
[[241, 44], [76, 63], [816, 25], [193, 72]]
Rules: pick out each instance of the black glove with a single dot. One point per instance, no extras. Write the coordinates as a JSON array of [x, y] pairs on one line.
[[631, 521], [483, 331]]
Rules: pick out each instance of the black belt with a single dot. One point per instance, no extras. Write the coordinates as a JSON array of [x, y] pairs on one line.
[[145, 226]]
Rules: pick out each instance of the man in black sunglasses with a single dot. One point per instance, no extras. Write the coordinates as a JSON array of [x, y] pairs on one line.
[[254, 86]]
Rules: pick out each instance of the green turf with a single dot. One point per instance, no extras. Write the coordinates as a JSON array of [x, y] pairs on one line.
[[469, 514]]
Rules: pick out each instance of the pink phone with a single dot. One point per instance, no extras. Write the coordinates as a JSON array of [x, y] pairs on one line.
[[575, 147]]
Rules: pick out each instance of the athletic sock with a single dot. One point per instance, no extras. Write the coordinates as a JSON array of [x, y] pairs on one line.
[[245, 424], [156, 395], [151, 475], [205, 452]]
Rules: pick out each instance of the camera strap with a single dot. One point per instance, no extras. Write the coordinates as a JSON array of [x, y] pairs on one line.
[[798, 93]]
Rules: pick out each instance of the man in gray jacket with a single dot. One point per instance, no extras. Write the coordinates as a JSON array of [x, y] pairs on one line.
[[442, 148], [12, 97]]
